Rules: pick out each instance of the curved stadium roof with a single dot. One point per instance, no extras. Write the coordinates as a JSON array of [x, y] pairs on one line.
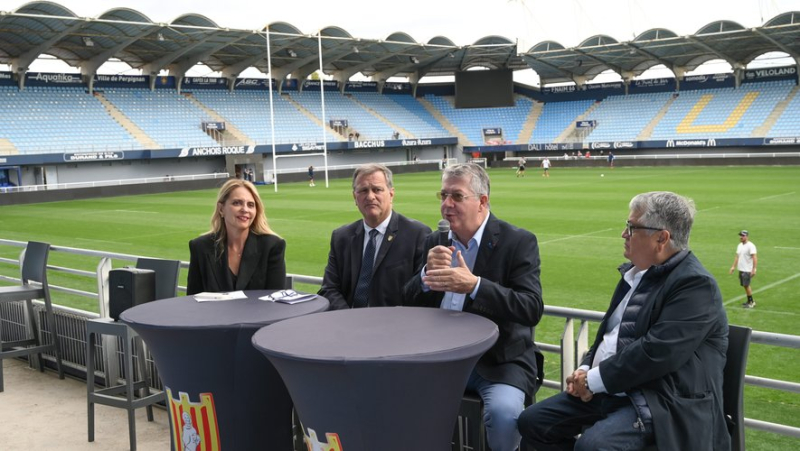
[[43, 27]]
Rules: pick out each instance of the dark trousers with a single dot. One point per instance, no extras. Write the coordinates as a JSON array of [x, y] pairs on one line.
[[612, 421]]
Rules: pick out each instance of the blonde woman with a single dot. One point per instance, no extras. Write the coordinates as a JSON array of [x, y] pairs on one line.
[[240, 252]]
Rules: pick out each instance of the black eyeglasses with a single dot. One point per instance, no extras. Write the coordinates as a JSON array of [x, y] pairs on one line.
[[630, 227], [457, 197]]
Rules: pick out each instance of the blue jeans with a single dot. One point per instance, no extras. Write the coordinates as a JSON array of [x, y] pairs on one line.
[[613, 423], [502, 405]]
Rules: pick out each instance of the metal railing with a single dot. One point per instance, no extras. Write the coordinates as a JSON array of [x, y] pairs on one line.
[[118, 182], [574, 338], [674, 156]]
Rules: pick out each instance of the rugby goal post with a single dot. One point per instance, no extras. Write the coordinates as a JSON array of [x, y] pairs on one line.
[[479, 161]]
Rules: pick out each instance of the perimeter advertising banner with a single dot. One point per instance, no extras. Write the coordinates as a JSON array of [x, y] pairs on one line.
[[6, 79], [50, 79], [121, 81]]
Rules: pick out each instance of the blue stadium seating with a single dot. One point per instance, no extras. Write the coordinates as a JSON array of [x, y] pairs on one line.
[[68, 119], [61, 119], [556, 117], [167, 117], [623, 118], [788, 124], [721, 113], [472, 121]]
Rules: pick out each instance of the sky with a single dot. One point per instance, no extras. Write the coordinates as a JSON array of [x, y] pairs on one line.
[[529, 22]]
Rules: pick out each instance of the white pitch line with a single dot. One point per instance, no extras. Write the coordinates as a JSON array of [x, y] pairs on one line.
[[764, 288], [773, 312], [101, 241], [752, 200], [772, 197], [790, 248], [136, 211], [574, 236]]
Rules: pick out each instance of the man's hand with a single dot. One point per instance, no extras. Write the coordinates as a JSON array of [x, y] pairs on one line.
[[456, 280], [577, 386], [439, 257]]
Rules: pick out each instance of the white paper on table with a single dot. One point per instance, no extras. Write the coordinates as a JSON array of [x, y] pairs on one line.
[[223, 296], [288, 297]]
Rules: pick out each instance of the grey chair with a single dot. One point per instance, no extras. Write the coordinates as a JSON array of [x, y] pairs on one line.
[[34, 269], [124, 395], [733, 383], [470, 432]]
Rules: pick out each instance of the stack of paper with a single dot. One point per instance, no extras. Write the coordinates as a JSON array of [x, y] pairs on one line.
[[226, 296], [288, 297]]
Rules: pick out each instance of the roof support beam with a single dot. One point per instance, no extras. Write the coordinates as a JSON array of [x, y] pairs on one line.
[[90, 66], [20, 64], [782, 47]]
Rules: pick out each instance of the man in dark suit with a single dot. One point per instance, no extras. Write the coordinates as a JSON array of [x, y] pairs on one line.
[[654, 372], [490, 269], [395, 250]]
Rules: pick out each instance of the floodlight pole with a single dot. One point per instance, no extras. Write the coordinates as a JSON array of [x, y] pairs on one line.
[[271, 115], [322, 96]]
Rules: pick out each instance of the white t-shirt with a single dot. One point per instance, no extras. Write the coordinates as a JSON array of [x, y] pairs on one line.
[[546, 163], [745, 251]]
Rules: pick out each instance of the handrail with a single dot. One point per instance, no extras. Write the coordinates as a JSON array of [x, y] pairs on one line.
[[688, 155], [572, 347], [119, 182]]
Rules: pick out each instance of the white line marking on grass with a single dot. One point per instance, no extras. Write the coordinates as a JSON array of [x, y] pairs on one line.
[[751, 200], [101, 241], [136, 211], [764, 288], [773, 312], [790, 248], [569, 237], [772, 197]]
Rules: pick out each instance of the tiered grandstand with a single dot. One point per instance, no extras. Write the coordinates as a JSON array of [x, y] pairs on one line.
[[63, 119], [161, 121]]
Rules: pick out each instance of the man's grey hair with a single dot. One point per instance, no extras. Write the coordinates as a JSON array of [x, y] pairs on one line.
[[369, 168], [667, 211], [478, 178]]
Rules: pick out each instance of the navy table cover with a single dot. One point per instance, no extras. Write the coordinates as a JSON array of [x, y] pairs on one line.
[[222, 393], [388, 378]]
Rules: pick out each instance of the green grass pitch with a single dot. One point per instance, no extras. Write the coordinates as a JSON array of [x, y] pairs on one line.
[[577, 215]]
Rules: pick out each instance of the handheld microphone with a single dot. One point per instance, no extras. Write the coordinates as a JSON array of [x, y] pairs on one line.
[[444, 232]]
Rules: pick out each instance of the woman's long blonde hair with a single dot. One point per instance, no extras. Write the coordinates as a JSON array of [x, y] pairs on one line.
[[260, 226]]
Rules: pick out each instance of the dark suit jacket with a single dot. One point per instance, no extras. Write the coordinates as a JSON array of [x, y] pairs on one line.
[[262, 267], [399, 256], [510, 294], [678, 355]]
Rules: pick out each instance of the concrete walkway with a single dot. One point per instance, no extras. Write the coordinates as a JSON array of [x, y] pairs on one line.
[[40, 412]]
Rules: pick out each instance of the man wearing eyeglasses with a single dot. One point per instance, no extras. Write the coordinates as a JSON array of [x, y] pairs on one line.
[[490, 268], [389, 243], [654, 372]]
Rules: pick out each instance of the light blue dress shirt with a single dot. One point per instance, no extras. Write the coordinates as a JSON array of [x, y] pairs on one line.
[[455, 301]]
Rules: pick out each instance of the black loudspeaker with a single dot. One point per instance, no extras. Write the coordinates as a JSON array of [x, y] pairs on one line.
[[129, 287]]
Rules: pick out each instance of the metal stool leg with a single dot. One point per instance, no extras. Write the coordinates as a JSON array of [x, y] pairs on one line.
[[138, 348], [33, 329], [51, 321], [90, 348], [129, 382]]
